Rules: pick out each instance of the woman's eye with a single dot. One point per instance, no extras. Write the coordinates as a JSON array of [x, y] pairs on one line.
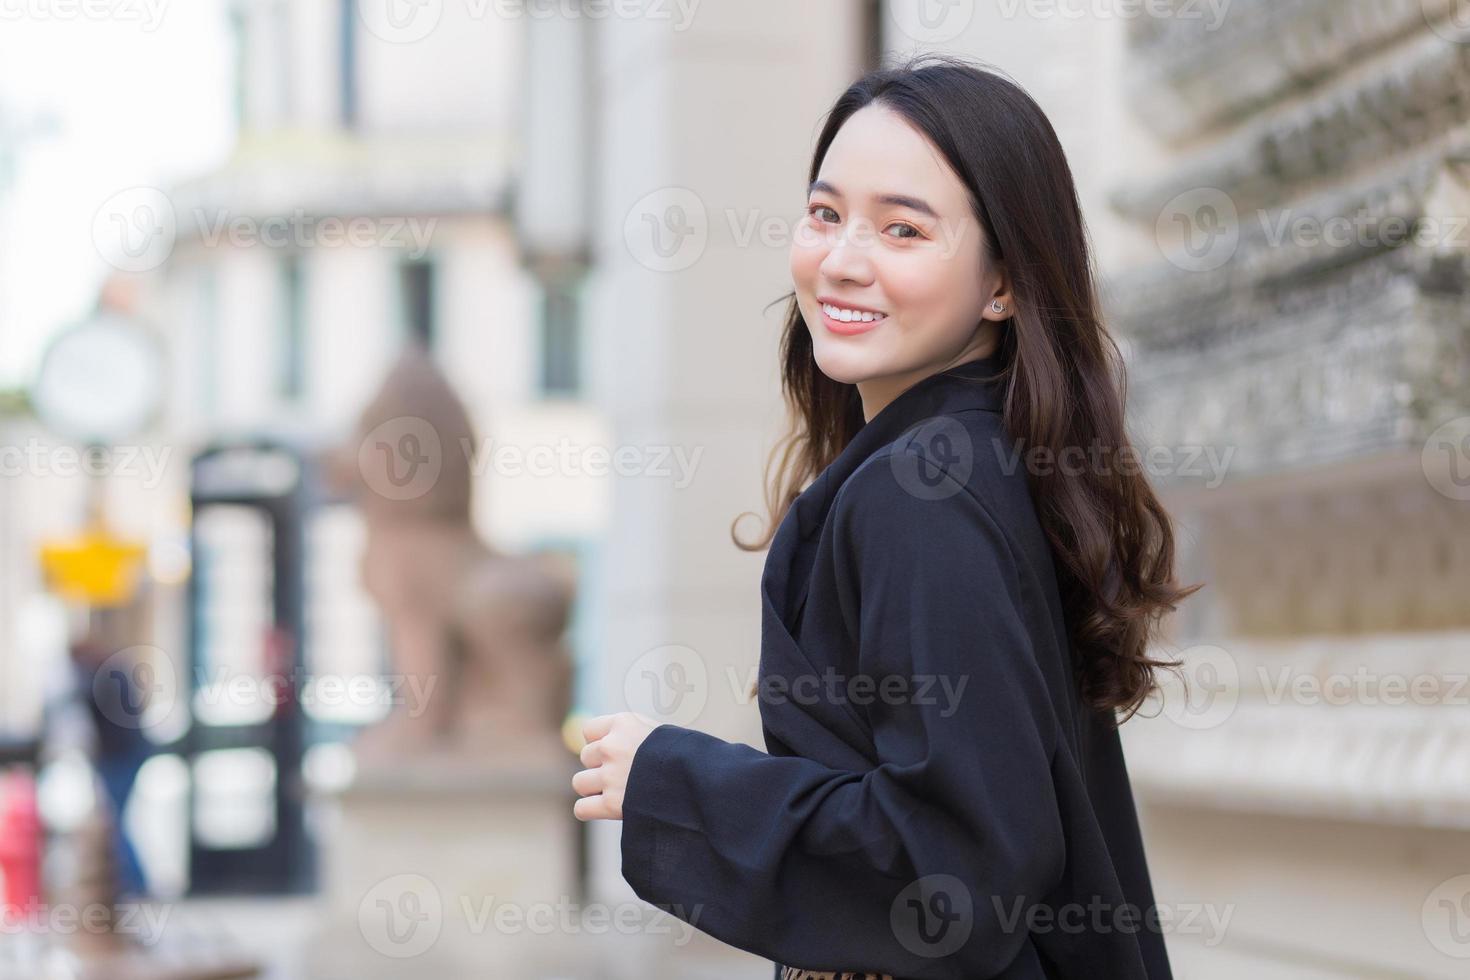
[[819, 207], [910, 228]]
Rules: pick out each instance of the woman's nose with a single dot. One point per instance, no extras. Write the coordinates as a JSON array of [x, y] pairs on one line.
[[847, 258]]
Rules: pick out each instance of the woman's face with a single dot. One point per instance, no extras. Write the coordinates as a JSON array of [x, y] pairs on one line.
[[889, 233]]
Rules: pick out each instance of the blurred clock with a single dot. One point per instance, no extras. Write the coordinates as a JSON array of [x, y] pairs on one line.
[[100, 381]]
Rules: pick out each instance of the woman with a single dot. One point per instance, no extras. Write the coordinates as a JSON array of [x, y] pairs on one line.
[[957, 606]]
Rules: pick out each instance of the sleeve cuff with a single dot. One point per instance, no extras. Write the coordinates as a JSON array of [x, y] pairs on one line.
[[651, 781]]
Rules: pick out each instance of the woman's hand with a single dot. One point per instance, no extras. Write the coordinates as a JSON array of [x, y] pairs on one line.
[[611, 742]]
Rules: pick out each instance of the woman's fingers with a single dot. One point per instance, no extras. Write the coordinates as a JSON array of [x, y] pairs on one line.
[[595, 728], [592, 782], [591, 808], [587, 782]]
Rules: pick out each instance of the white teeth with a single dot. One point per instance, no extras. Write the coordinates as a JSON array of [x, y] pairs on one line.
[[847, 316]]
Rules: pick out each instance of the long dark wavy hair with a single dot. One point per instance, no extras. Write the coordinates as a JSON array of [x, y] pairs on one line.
[[1065, 384]]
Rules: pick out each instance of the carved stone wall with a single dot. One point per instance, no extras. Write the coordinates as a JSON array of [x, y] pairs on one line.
[[1307, 328]]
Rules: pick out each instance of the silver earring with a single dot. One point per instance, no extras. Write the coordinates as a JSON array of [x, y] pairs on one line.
[[997, 307]]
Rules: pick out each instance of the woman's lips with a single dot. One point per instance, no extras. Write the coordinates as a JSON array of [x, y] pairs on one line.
[[848, 328]]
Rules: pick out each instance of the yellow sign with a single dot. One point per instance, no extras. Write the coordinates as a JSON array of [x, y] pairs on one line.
[[95, 568]]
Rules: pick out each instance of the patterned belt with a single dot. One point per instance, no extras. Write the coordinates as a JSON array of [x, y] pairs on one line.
[[792, 973]]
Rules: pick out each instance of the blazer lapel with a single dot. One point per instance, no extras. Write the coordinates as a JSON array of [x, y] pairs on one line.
[[965, 386], [839, 740]]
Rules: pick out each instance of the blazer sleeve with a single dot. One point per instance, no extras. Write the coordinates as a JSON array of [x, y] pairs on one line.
[[917, 867]]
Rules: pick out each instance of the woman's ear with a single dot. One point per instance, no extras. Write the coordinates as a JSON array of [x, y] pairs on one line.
[[1001, 305]]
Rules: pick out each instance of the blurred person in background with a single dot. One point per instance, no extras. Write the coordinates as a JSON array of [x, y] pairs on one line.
[[114, 687]]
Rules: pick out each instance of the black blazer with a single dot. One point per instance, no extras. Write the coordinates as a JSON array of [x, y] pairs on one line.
[[935, 801]]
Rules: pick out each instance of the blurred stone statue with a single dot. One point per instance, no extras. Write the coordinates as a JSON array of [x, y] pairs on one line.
[[479, 672]]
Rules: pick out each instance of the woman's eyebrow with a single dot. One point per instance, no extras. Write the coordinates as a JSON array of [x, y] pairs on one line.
[[898, 200]]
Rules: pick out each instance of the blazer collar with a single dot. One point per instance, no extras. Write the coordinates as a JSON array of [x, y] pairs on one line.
[[970, 385]]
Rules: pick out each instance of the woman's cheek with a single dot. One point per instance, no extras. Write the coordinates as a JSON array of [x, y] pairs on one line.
[[808, 248]]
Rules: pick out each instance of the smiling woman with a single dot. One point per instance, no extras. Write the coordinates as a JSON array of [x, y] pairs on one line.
[[943, 316]]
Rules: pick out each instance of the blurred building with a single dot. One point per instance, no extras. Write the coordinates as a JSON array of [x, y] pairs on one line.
[[369, 203]]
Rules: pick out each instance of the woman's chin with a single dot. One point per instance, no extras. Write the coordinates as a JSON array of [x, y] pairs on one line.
[[845, 366]]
